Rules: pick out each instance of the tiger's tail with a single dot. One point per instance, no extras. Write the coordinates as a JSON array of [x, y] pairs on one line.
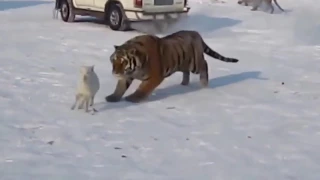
[[275, 1], [216, 55]]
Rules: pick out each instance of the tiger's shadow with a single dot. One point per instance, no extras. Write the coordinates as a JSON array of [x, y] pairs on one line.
[[178, 89]]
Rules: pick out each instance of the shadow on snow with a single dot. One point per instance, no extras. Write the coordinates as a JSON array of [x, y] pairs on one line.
[[178, 89], [217, 82]]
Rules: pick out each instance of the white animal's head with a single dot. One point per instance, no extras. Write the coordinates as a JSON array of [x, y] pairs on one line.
[[86, 70]]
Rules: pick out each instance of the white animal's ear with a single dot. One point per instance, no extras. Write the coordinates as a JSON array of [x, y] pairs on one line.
[[82, 69]]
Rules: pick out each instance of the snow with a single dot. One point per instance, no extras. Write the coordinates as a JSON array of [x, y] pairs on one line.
[[259, 119]]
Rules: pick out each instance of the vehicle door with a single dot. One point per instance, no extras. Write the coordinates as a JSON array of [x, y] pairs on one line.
[[85, 4], [99, 4]]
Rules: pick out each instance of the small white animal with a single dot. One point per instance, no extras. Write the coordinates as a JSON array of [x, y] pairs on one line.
[[87, 88], [257, 3]]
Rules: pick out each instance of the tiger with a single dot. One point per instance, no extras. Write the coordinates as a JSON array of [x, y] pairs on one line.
[[257, 3], [151, 59]]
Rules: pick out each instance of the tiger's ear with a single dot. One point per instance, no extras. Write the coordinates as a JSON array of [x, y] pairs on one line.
[[116, 47]]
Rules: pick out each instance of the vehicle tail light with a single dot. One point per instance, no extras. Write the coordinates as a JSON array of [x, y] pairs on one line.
[[138, 3]]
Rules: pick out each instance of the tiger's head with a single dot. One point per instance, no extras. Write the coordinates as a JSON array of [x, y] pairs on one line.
[[126, 61]]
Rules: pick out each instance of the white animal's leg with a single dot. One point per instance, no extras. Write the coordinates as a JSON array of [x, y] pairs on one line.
[[76, 101], [91, 100], [82, 101], [86, 104]]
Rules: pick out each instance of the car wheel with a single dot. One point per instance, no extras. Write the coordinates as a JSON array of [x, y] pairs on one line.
[[115, 18], [66, 12]]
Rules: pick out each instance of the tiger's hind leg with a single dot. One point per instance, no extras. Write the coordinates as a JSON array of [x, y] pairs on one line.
[[121, 88], [204, 75], [185, 78], [256, 4], [269, 2], [144, 90], [272, 9]]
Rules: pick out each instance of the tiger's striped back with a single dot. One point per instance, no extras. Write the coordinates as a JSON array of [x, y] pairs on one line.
[[184, 51], [180, 53]]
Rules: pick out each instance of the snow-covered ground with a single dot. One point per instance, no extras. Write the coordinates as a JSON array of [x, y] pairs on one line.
[[258, 120]]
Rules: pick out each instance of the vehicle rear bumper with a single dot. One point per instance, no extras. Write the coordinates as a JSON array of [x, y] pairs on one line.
[[134, 15]]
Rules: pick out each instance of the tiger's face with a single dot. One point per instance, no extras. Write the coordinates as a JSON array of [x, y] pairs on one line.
[[125, 62]]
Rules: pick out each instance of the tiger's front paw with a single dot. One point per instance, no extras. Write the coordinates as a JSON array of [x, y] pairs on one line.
[[135, 98], [112, 98]]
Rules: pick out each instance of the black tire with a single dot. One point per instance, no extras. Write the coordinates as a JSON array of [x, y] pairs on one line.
[[66, 12], [115, 18]]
